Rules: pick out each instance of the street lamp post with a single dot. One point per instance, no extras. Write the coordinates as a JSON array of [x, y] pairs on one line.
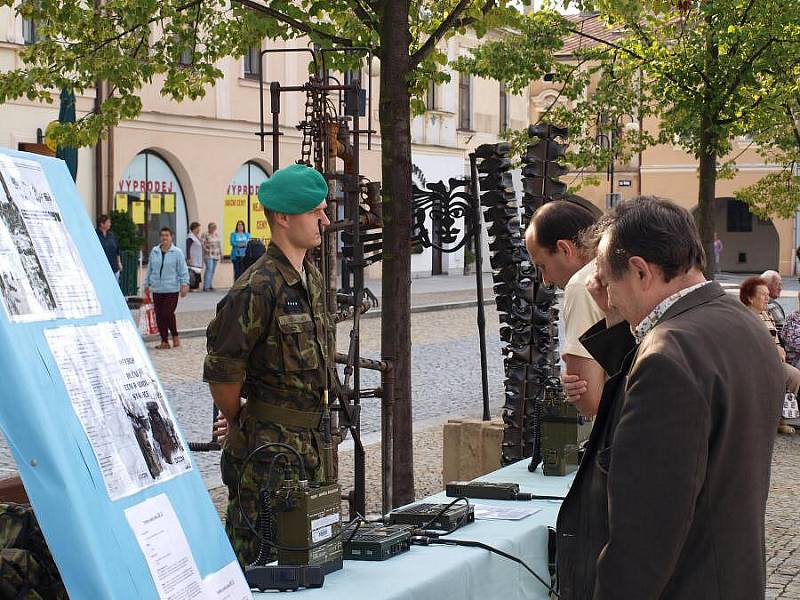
[[608, 141]]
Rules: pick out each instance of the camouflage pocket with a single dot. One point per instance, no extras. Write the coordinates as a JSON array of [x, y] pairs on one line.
[[236, 440], [298, 344]]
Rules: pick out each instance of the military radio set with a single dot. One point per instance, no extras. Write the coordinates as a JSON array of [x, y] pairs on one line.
[[538, 422]]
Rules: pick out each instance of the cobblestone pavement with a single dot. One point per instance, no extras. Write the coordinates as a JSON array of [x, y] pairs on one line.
[[446, 377], [446, 384]]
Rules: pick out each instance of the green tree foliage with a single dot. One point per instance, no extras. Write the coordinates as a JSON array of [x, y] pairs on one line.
[[707, 70], [122, 225], [134, 43], [778, 194]]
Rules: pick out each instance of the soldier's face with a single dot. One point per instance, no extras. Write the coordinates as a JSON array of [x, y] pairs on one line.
[[304, 229]]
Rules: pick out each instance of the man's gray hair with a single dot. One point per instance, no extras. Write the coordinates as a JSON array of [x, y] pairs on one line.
[[770, 276]]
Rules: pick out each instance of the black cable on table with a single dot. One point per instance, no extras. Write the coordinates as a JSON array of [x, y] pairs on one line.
[[426, 541]]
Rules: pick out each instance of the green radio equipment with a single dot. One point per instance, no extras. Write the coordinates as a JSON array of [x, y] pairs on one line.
[[297, 519], [564, 431], [307, 525]]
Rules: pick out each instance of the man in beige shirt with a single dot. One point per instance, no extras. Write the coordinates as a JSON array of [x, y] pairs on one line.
[[553, 242]]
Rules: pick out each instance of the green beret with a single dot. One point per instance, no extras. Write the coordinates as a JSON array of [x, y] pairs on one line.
[[293, 190]]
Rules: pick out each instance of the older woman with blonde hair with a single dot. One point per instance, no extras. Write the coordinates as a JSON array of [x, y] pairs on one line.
[[212, 253]]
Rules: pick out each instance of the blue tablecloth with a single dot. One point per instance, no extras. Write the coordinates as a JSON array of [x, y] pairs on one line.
[[457, 573]]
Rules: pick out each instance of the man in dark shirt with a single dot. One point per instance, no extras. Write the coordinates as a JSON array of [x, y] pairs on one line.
[[110, 244]]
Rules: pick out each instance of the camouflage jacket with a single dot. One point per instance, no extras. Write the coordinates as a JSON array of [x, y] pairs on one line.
[[27, 570], [273, 336]]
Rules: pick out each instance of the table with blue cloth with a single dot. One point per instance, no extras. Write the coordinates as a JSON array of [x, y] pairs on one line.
[[459, 573]]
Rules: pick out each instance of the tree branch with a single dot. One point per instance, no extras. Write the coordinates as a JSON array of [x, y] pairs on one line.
[[291, 22], [731, 120], [633, 54], [363, 15], [453, 20], [735, 47], [794, 122], [747, 65], [130, 30]]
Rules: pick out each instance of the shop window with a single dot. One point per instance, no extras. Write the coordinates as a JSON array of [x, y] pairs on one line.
[[152, 194], [241, 204]]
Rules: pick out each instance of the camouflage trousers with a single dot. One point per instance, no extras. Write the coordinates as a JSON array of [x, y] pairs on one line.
[[245, 481]]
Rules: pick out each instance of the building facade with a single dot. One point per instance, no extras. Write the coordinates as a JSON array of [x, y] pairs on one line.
[[201, 160]]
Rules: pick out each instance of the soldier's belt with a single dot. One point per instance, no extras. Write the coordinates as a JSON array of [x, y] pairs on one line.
[[283, 416]]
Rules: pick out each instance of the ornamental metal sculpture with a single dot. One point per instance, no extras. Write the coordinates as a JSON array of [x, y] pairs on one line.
[[444, 208]]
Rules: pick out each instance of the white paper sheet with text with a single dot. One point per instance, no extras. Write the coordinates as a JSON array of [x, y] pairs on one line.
[[42, 275], [120, 404], [166, 549], [227, 584]]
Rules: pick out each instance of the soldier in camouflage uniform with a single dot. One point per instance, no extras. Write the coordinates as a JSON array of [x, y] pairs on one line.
[[269, 344]]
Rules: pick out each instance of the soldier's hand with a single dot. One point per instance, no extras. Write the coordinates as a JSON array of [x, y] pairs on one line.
[[574, 387], [220, 429], [184, 290]]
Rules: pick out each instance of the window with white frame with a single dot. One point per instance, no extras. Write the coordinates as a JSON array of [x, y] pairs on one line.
[[30, 35], [252, 62], [430, 99], [503, 108], [464, 102]]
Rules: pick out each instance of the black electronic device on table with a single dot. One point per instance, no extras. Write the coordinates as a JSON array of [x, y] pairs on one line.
[[376, 541], [486, 490], [284, 577], [434, 516]]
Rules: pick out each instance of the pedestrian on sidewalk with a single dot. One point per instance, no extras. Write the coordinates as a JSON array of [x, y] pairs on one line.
[[775, 287], [239, 239], [718, 247], [110, 244], [194, 256], [755, 295], [167, 277], [212, 253]]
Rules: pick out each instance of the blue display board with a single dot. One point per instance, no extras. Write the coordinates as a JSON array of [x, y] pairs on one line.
[[44, 410]]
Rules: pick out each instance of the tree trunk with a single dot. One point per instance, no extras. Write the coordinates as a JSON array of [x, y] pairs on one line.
[[395, 123], [708, 148], [707, 194]]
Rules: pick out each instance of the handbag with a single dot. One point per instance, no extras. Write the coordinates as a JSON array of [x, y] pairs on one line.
[[147, 317], [195, 279], [790, 408]]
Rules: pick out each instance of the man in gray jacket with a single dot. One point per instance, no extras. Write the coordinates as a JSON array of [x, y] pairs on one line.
[[670, 497]]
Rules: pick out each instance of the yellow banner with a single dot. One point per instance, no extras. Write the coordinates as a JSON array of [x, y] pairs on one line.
[[235, 210], [169, 203], [155, 204], [259, 228], [121, 202], [137, 212]]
